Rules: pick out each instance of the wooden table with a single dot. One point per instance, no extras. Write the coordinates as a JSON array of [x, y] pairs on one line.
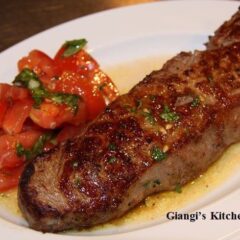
[[22, 19]]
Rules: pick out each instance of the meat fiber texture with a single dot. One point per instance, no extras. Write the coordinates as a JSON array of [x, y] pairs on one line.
[[164, 133]]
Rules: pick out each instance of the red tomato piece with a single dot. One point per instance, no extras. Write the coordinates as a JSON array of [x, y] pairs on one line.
[[27, 139], [10, 159], [80, 62], [16, 93], [46, 116], [50, 115], [41, 64], [8, 156], [73, 83], [16, 116], [7, 142], [85, 65], [105, 85], [80, 117], [3, 109], [9, 178]]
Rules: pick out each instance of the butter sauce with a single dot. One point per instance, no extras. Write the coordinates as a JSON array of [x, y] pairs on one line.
[[154, 207]]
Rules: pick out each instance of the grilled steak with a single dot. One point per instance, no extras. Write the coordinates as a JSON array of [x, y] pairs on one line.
[[164, 133], [227, 34]]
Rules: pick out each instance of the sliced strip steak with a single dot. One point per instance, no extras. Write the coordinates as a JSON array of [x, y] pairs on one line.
[[164, 133]]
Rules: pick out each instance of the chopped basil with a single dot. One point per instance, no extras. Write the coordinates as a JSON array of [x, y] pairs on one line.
[[63, 98], [157, 181], [149, 117], [138, 103], [146, 184], [112, 159], [24, 77], [28, 79], [130, 108], [152, 97], [36, 149], [151, 183], [157, 154], [74, 46], [77, 182], [210, 78], [169, 116], [195, 102], [21, 151], [178, 188], [112, 147]]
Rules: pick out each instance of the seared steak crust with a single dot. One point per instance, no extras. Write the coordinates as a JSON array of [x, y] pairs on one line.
[[164, 133], [227, 34]]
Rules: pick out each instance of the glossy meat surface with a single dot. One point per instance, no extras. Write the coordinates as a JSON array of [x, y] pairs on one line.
[[164, 133]]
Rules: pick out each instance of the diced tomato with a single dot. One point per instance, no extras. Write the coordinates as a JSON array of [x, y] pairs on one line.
[[27, 139], [80, 117], [8, 156], [68, 132], [16, 116], [50, 115], [73, 83], [46, 115], [85, 65], [16, 93], [105, 85], [7, 142], [80, 62], [3, 109], [10, 159], [41, 64], [9, 178]]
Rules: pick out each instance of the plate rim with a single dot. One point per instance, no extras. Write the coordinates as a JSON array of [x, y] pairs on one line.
[[10, 226]]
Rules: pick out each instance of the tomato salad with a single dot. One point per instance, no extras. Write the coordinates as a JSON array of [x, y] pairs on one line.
[[49, 101]]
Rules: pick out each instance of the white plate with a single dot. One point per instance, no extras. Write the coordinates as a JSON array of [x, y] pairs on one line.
[[126, 34]]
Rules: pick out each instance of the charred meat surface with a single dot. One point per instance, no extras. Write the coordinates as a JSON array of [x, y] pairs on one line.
[[227, 34], [164, 133]]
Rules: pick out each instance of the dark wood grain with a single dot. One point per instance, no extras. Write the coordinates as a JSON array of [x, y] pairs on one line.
[[22, 19]]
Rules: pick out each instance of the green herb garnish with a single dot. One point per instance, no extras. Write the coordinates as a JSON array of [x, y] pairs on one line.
[[210, 78], [112, 159], [195, 102], [138, 103], [152, 183], [149, 117], [169, 116], [64, 98], [74, 46], [157, 181], [28, 79], [130, 108], [77, 182], [157, 154], [152, 97], [36, 149], [146, 184], [112, 147], [178, 188]]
